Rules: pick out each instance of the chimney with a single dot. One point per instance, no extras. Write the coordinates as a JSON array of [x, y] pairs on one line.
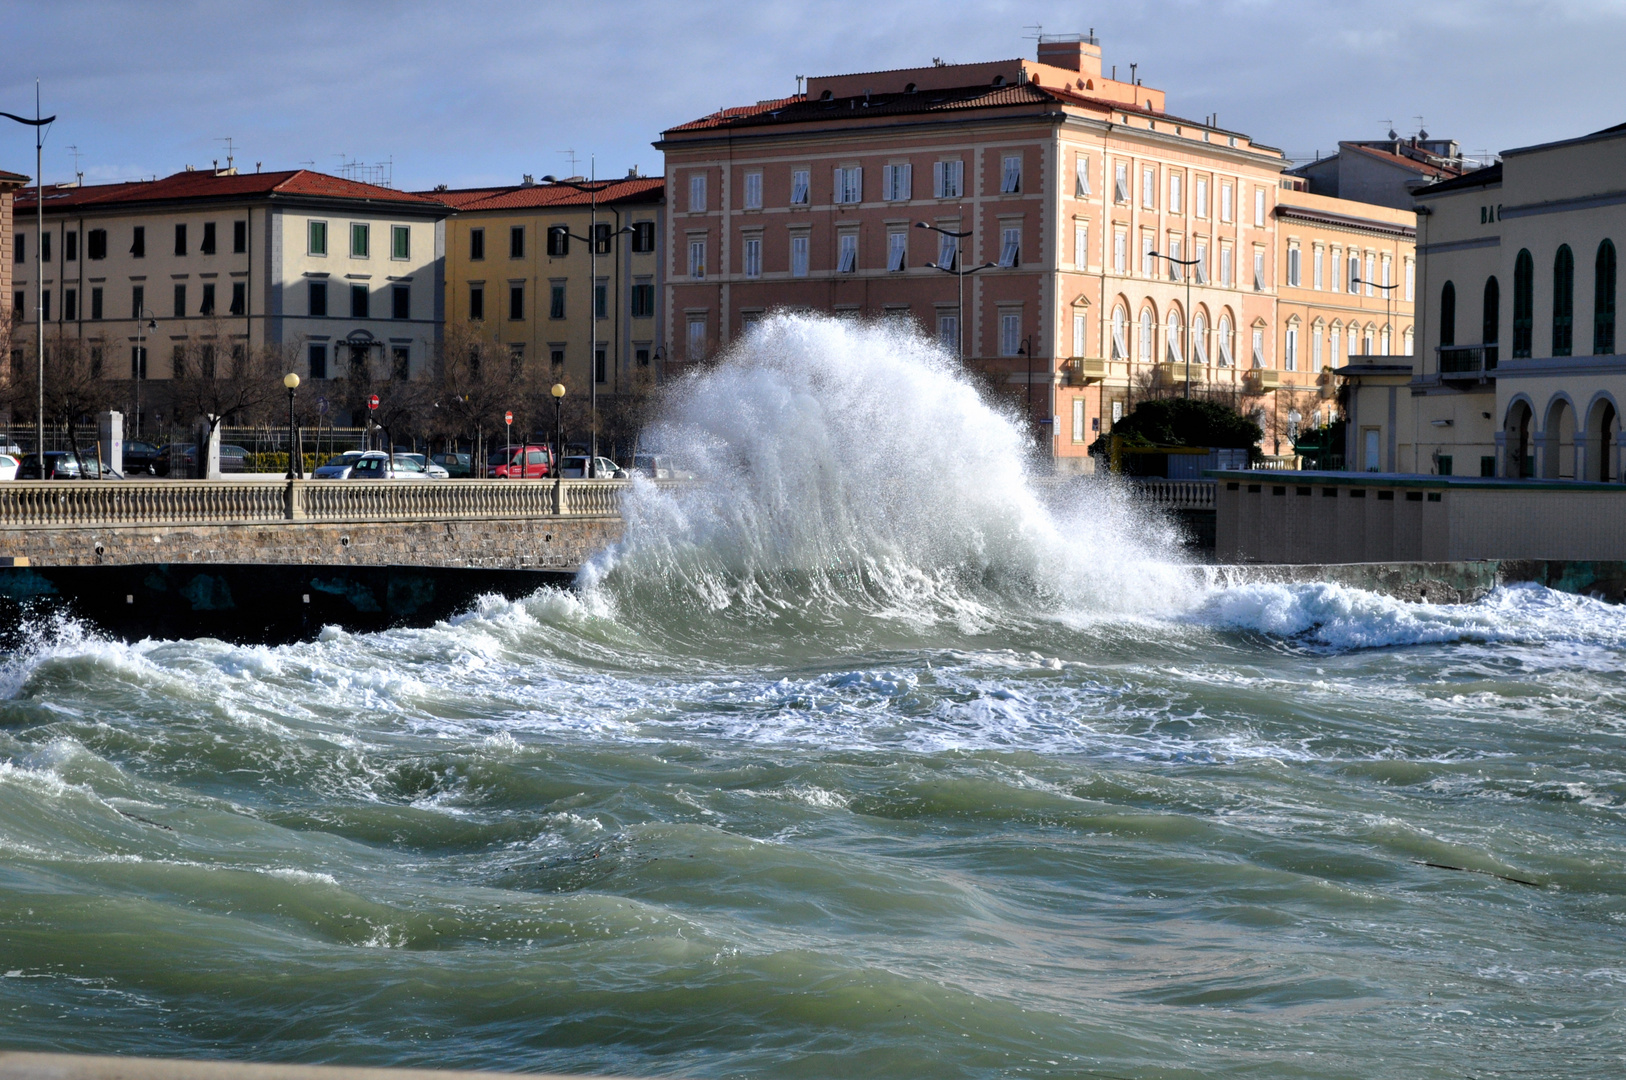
[[1072, 52]]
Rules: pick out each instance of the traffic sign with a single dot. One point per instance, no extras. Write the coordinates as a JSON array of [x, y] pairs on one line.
[[372, 402], [321, 405], [508, 418]]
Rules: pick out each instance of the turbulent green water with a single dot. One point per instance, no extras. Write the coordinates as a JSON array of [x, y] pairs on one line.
[[827, 774]]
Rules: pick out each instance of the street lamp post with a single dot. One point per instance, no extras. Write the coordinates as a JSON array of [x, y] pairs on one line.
[[591, 187], [296, 467], [140, 366], [38, 124], [959, 272], [1388, 303], [558, 392], [1188, 264]]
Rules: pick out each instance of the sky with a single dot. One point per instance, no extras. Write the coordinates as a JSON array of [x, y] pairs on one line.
[[482, 91]]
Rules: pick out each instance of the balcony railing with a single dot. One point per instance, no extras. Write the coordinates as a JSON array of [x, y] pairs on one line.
[[77, 503], [1476, 360], [1175, 494]]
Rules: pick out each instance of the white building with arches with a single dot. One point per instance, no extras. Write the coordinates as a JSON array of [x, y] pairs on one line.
[[1520, 373]]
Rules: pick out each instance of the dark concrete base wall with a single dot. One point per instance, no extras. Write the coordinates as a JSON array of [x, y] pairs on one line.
[[488, 543], [248, 603], [1439, 582]]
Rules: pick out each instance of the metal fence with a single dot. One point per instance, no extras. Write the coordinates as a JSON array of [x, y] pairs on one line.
[[70, 503]]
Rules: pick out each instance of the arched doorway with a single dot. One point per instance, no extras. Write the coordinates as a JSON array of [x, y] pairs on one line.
[[1602, 434], [1558, 442], [1521, 460]]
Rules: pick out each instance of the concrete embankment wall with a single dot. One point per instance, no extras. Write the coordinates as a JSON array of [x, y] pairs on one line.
[[1437, 582]]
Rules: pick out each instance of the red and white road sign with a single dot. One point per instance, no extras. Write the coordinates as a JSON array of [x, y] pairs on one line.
[[372, 402], [508, 418]]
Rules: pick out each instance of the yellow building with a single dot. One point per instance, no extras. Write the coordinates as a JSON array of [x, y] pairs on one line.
[[519, 273], [1346, 293]]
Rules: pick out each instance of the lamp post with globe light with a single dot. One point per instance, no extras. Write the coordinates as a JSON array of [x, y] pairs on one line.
[[558, 393], [296, 467]]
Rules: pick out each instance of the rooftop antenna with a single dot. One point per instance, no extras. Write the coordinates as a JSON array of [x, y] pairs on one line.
[[571, 154], [76, 172], [1132, 80], [800, 79], [231, 149], [1038, 32]]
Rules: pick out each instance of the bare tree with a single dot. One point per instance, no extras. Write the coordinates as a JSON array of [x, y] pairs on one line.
[[74, 387], [239, 382]]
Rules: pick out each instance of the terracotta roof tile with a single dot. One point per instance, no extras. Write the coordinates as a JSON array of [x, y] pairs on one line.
[[208, 185], [531, 196]]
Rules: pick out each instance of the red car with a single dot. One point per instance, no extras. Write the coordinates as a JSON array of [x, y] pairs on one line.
[[523, 462]]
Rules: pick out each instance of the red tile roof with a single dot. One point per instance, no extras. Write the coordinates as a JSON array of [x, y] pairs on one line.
[[12, 177], [207, 185], [530, 196], [1422, 168]]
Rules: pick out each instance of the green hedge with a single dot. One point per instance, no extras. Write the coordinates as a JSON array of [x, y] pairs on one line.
[[275, 462]]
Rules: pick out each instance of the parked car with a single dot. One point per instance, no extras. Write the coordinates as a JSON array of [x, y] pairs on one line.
[[575, 468], [428, 468], [141, 457], [457, 465], [336, 467], [377, 465], [8, 467], [654, 466], [59, 465], [523, 462], [233, 459]]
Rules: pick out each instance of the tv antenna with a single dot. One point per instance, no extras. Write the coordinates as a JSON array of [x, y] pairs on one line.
[[1038, 32], [800, 79], [75, 151], [230, 149], [571, 154]]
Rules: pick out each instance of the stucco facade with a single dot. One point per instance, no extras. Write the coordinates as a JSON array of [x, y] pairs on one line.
[[9, 183]]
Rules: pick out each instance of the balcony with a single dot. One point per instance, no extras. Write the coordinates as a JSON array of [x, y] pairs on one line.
[[1263, 379], [1467, 362], [1173, 372], [1083, 370]]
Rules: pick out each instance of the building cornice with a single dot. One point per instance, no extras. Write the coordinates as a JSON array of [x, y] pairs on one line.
[[1368, 226]]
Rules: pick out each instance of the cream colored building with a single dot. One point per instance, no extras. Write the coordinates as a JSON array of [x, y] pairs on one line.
[[341, 272], [1520, 371]]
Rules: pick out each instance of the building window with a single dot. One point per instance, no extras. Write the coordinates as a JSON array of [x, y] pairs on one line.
[[1367, 278], [516, 242], [1177, 202], [138, 362], [1259, 206], [1411, 280], [1258, 347], [1148, 330], [948, 179], [1010, 246], [1120, 252], [1290, 351], [556, 356], [948, 250], [180, 242], [19, 246], [1226, 277], [948, 332], [315, 237], [96, 244], [401, 302], [239, 297], [600, 365], [1176, 257], [1171, 337], [477, 303], [180, 302], [1078, 420], [1120, 182], [239, 237], [1333, 343], [360, 301], [1079, 324], [697, 193], [798, 187], [1491, 312], [45, 247], [1081, 173], [1010, 174], [1010, 333], [897, 182], [1317, 279], [753, 256], [138, 301], [207, 307], [643, 300], [556, 300], [558, 241], [1148, 262], [1226, 195], [1081, 244], [1563, 301], [848, 254], [316, 296], [477, 244], [1352, 282], [1448, 314], [849, 184], [1224, 342], [1258, 270], [401, 360], [897, 250], [798, 255], [601, 299], [1524, 279], [70, 246], [1315, 348], [1201, 197], [697, 258], [1199, 273], [96, 303], [1292, 266], [360, 240], [207, 247], [753, 190], [640, 355], [643, 237], [1199, 338], [516, 301], [1148, 188], [1120, 334], [697, 338], [602, 237], [316, 357], [400, 242], [70, 303], [1603, 300]]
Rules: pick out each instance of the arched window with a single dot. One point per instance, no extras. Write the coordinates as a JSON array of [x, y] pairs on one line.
[[1337, 342], [1563, 301], [1120, 333], [1223, 343], [1366, 342], [1524, 303], [1448, 314], [1199, 338], [1603, 300], [1174, 346], [1491, 323], [1143, 349], [1406, 341]]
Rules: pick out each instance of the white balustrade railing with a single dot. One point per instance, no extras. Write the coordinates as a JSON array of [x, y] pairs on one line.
[[64, 503], [1175, 494]]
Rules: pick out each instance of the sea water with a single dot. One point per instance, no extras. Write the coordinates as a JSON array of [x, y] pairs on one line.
[[863, 755]]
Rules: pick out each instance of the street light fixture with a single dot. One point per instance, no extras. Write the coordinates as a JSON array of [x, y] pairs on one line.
[[296, 466], [1188, 264], [558, 392], [1388, 303], [592, 188], [38, 124], [959, 272]]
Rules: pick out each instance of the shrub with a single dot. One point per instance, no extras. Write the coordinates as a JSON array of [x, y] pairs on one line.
[[1183, 422]]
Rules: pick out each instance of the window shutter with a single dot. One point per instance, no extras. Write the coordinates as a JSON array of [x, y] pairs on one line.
[[907, 181], [937, 179], [837, 197], [1082, 164], [858, 184]]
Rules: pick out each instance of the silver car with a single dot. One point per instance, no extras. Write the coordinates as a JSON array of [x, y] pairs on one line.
[[337, 468]]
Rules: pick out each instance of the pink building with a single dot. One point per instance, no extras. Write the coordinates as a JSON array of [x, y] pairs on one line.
[[1066, 179]]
